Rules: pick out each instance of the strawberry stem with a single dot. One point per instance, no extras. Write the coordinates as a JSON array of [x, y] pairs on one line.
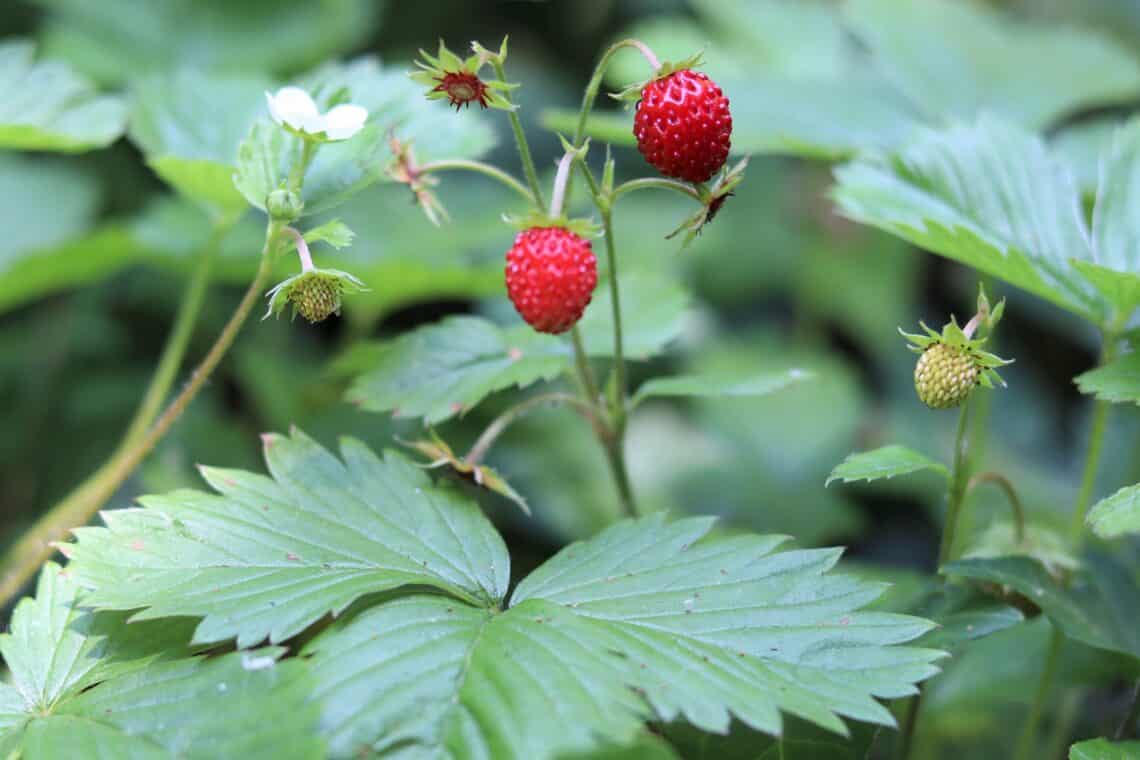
[[302, 248], [560, 179], [492, 432], [486, 170], [520, 139], [1010, 492], [595, 83]]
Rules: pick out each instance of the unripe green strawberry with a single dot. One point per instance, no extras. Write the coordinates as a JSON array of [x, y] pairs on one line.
[[951, 365], [316, 298], [944, 376], [315, 293]]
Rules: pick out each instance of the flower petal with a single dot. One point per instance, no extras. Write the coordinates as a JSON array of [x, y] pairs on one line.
[[344, 121], [293, 107]]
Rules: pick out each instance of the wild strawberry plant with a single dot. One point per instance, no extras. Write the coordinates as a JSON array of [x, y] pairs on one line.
[[363, 601]]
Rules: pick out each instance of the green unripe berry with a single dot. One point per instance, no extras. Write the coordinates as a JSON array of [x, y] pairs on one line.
[[316, 297], [945, 375]]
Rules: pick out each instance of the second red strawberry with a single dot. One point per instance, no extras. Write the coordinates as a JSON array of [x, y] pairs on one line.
[[551, 275], [683, 125]]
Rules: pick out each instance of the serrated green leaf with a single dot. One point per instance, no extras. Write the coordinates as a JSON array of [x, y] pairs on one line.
[[1098, 606], [442, 370], [1118, 381], [194, 153], [1116, 515], [119, 40], [85, 685], [336, 233], [885, 462], [341, 169], [594, 641], [1082, 145], [989, 196], [713, 385], [1103, 749], [1121, 289], [958, 59], [46, 106], [265, 557]]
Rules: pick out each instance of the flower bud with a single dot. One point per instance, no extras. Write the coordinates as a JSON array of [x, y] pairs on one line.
[[284, 205]]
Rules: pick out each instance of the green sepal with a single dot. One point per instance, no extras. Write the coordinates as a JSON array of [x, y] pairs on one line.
[[284, 292], [432, 70], [632, 93], [440, 454], [953, 336], [586, 228], [483, 55], [711, 201]]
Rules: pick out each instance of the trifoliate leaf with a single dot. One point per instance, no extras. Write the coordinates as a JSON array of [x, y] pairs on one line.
[[885, 462], [45, 105], [90, 685], [335, 232], [648, 620], [954, 193], [1118, 381], [442, 370], [265, 557], [1116, 515]]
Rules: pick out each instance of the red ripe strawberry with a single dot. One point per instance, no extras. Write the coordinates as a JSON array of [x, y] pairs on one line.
[[683, 126], [551, 274]]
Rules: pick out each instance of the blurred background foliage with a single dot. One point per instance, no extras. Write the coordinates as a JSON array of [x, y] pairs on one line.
[[96, 250]]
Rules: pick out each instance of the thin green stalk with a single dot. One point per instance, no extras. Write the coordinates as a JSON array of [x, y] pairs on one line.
[[595, 83], [1092, 463], [1027, 740], [491, 434], [177, 341], [619, 348], [1011, 496], [615, 455], [520, 141], [493, 172], [582, 364], [959, 477], [38, 544], [657, 183], [910, 723], [297, 173]]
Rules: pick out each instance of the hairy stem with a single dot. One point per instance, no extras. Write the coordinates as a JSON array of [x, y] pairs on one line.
[[491, 434], [479, 167], [520, 141], [1010, 494], [37, 545], [958, 478], [1027, 740]]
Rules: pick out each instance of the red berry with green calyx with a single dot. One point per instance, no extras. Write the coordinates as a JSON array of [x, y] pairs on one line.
[[551, 275], [683, 125]]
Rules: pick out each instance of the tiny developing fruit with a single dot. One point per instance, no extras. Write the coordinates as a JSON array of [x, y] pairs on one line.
[[683, 125], [316, 298], [945, 375], [551, 274]]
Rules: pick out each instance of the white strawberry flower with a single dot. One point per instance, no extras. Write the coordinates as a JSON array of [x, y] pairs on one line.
[[295, 109]]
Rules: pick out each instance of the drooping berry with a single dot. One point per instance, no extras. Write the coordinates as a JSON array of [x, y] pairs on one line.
[[551, 274], [945, 375], [683, 125], [316, 298]]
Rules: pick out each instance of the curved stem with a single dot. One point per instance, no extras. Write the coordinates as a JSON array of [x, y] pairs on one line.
[[520, 140], [1092, 463], [619, 357], [595, 83], [649, 183], [303, 252], [38, 544], [560, 179], [488, 437], [1025, 742], [479, 167], [959, 476], [582, 364], [615, 455], [1010, 493]]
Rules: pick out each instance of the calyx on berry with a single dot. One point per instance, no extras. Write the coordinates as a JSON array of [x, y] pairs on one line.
[[457, 80], [952, 363], [284, 205]]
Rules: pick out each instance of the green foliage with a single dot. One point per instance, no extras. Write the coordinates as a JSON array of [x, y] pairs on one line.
[[85, 685], [887, 462], [194, 153], [45, 105], [1117, 381], [259, 559], [1116, 515], [442, 370], [719, 385], [1103, 749], [1095, 607]]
